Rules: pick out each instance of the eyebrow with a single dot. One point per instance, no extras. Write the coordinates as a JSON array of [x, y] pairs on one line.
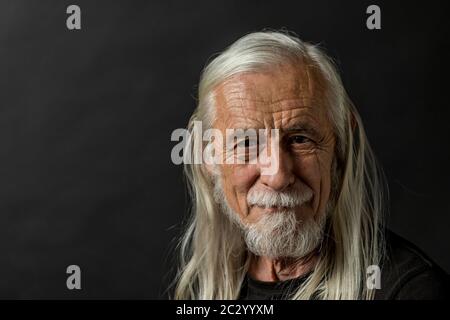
[[296, 128], [302, 127]]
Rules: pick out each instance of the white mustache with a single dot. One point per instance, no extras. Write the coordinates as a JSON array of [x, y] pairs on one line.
[[287, 199]]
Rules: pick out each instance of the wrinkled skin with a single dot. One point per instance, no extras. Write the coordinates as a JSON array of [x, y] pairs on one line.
[[290, 99]]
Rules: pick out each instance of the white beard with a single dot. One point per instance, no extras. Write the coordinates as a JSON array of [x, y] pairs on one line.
[[277, 234]]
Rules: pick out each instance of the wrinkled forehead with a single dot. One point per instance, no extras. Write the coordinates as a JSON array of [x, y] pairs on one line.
[[273, 98]]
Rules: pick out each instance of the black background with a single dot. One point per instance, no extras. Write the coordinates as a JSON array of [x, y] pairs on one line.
[[86, 118]]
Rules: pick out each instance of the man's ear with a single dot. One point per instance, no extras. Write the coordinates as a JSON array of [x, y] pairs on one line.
[[212, 170], [209, 164], [209, 169]]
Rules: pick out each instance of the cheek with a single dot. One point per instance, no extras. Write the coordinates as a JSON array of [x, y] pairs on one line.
[[314, 171], [237, 180]]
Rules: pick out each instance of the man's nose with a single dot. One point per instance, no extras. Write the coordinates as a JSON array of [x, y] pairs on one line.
[[284, 176]]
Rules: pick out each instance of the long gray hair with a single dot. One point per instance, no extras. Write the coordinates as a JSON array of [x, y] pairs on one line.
[[213, 254]]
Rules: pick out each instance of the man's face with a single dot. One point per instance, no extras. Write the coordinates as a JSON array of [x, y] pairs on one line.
[[289, 99]]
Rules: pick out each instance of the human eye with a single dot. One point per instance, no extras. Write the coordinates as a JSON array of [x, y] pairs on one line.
[[298, 139], [246, 143]]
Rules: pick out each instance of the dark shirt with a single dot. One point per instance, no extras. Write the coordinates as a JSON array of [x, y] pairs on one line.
[[406, 274]]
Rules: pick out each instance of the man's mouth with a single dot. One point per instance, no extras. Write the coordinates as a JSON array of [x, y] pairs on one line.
[[273, 208]]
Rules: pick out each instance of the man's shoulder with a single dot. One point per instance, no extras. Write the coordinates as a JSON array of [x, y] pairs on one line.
[[408, 273]]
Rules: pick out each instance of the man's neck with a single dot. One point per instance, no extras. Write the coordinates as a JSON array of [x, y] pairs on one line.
[[280, 269]]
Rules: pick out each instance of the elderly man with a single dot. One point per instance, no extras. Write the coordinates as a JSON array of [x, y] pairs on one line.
[[310, 229]]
